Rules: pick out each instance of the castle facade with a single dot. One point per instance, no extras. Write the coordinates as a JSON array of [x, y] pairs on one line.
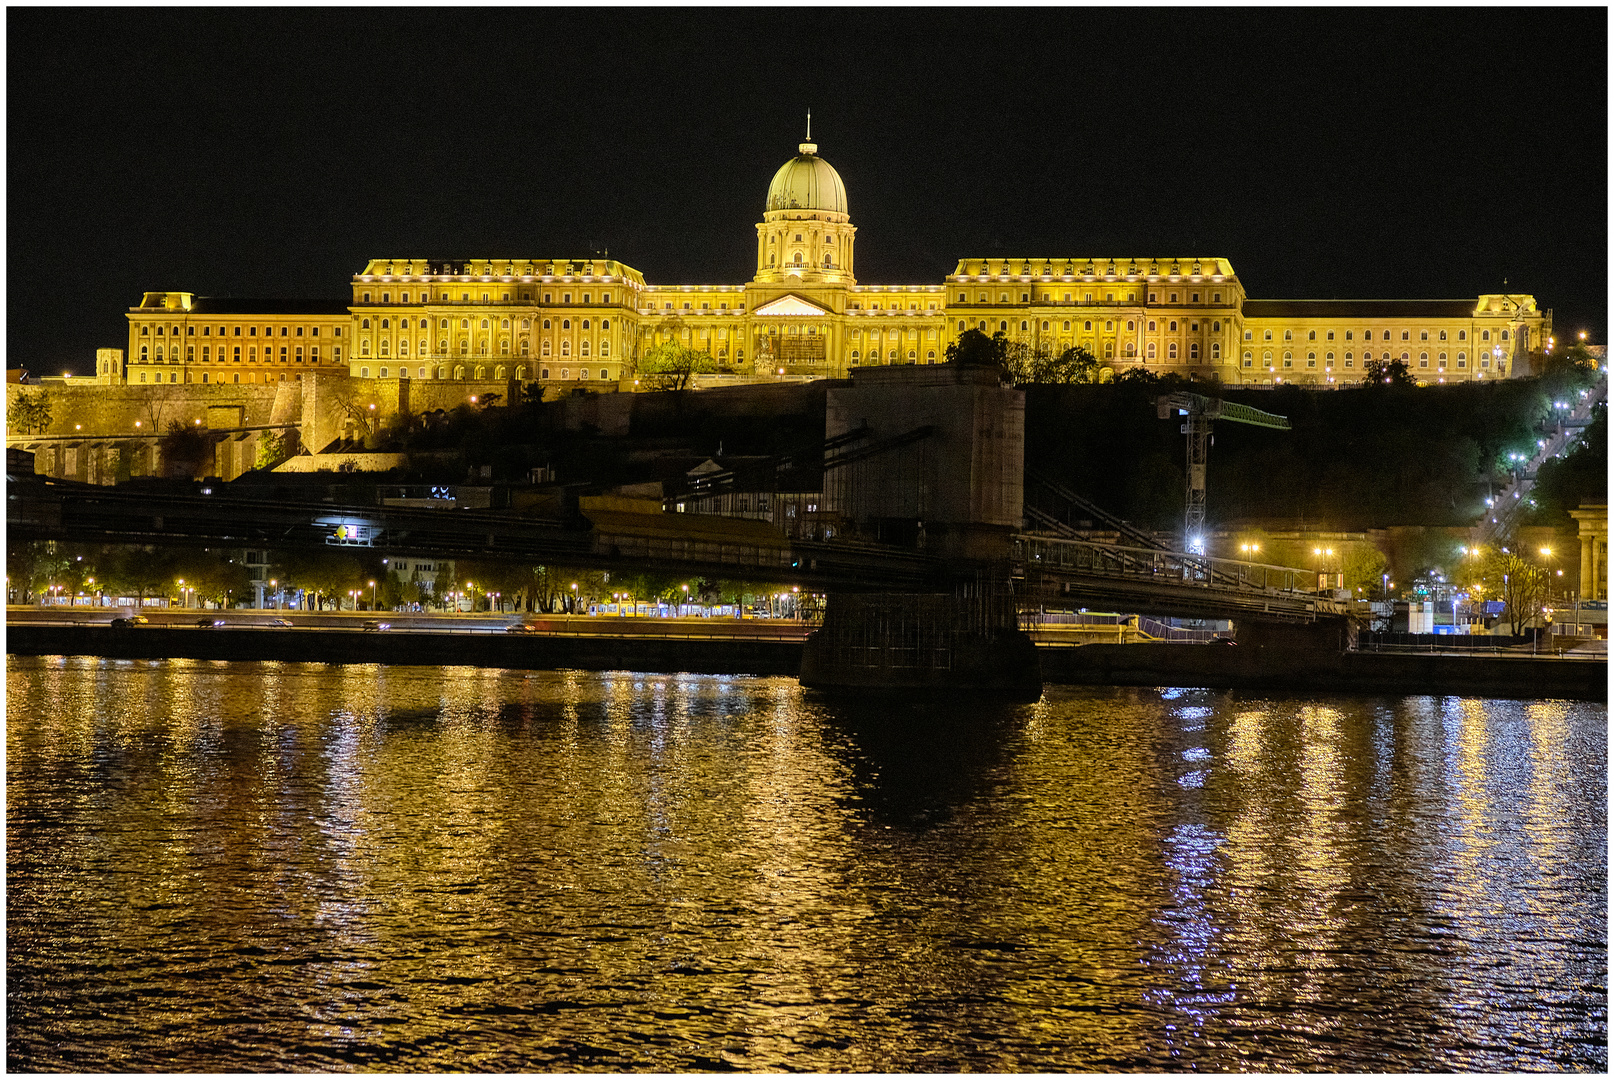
[[586, 323]]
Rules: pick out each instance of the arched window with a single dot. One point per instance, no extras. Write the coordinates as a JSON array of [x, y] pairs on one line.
[[1249, 359], [605, 348], [1171, 351], [386, 323], [1406, 335], [1311, 359], [1462, 335], [545, 350], [484, 324], [1088, 325], [442, 372], [1404, 357], [524, 347], [403, 348], [565, 372], [364, 347], [384, 344], [1130, 325], [1266, 358], [1443, 335], [1266, 335], [504, 324], [459, 371], [1216, 350], [582, 350], [521, 371], [1003, 325], [364, 373], [1311, 335], [465, 348], [1173, 326], [1193, 350], [143, 354], [1151, 351], [566, 348], [1288, 359], [364, 324], [1151, 326], [481, 372]]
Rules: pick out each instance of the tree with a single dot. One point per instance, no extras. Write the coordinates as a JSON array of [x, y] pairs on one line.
[[187, 447], [1506, 574], [212, 576], [29, 413], [670, 365], [141, 572], [1522, 585], [323, 575], [273, 448], [1039, 365], [1388, 373], [975, 349]]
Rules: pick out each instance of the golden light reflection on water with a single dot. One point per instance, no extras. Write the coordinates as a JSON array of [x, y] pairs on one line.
[[309, 867]]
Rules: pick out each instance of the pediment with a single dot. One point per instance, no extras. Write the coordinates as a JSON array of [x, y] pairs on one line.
[[790, 305]]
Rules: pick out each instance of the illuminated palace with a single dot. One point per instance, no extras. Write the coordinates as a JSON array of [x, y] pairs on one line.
[[584, 323]]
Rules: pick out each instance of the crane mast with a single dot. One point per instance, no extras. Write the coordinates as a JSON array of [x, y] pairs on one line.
[[1202, 412]]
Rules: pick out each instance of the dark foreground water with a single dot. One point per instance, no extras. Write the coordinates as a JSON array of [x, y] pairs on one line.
[[234, 867]]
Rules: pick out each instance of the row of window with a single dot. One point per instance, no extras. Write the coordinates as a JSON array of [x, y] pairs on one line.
[[1367, 357], [1367, 335], [465, 298], [913, 356], [296, 355], [1087, 298], [583, 348], [499, 372], [252, 331], [218, 376], [465, 324]]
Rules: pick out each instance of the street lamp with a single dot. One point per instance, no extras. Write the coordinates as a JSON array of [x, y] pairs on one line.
[[372, 596], [275, 585]]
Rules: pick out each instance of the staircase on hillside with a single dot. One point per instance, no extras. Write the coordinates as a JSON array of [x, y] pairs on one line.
[[1508, 506]]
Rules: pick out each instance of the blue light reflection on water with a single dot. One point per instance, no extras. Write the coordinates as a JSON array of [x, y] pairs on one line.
[[309, 867]]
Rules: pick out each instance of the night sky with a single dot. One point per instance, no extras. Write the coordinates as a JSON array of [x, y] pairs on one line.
[[1361, 152]]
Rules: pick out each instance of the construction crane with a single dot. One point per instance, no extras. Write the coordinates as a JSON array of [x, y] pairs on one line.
[[1202, 412]]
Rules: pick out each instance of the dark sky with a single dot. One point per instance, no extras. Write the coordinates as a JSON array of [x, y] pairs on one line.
[[1359, 152]]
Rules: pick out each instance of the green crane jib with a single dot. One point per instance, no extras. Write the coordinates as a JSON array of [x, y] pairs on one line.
[[1202, 412]]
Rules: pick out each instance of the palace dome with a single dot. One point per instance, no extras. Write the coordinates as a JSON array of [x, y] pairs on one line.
[[807, 182]]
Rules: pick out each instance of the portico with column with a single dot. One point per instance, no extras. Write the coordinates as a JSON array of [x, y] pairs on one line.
[[1591, 519]]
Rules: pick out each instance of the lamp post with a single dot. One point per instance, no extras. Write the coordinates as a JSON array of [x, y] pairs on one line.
[[274, 584], [372, 596]]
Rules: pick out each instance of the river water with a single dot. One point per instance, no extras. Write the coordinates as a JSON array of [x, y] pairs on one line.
[[304, 867]]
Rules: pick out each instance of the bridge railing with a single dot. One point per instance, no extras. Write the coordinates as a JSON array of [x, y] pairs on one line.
[[1175, 567]]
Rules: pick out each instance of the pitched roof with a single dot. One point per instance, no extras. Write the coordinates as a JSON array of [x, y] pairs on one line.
[[247, 305], [1359, 309]]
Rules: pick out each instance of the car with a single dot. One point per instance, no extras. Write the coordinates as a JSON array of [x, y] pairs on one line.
[[279, 624], [123, 622], [371, 624], [208, 624], [523, 628]]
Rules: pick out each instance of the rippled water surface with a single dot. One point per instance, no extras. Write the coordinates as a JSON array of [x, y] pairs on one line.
[[299, 867]]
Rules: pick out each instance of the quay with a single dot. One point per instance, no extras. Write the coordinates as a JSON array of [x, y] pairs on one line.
[[768, 647]]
